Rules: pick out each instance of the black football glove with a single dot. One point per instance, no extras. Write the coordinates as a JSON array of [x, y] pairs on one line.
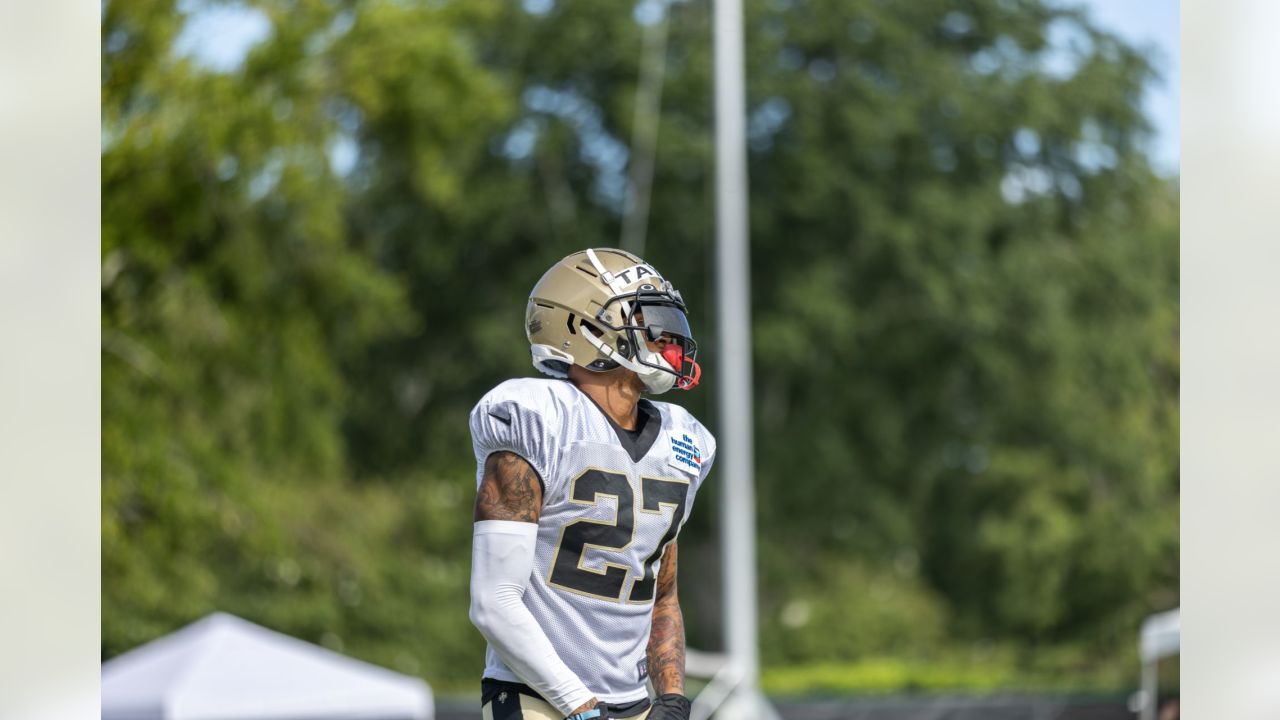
[[671, 706]]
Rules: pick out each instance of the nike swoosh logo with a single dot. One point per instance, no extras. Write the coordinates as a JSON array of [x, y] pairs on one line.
[[506, 419]]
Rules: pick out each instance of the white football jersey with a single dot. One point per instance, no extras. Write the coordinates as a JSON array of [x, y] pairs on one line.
[[611, 503]]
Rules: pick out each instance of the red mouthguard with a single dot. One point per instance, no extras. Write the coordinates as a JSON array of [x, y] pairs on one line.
[[674, 355]]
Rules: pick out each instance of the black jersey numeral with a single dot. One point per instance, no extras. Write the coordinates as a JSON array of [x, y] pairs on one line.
[[617, 535], [657, 492], [577, 536]]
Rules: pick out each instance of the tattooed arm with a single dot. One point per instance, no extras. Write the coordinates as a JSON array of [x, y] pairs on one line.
[[510, 490], [666, 638], [508, 505]]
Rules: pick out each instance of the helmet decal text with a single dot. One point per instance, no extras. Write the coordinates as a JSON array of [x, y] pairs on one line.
[[635, 272]]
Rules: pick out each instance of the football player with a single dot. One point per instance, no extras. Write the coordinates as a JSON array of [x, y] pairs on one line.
[[583, 487]]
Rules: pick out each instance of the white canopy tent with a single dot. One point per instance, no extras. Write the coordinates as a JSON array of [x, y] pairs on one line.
[[1160, 636], [226, 668]]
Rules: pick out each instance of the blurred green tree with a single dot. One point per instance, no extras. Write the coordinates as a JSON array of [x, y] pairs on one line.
[[965, 296], [967, 345], [237, 298]]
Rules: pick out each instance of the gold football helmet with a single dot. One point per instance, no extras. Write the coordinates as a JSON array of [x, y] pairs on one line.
[[599, 309]]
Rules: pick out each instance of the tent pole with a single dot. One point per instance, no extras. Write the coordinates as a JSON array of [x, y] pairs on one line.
[[1149, 690]]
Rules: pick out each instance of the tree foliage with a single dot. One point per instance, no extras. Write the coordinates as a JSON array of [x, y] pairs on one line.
[[965, 312]]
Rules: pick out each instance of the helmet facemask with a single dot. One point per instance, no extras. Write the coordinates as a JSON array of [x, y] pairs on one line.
[[650, 315]]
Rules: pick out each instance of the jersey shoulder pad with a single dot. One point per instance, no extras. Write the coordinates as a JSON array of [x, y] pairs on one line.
[[520, 416], [544, 396]]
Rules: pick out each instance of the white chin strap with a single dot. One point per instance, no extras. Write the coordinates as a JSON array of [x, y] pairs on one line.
[[656, 380], [617, 286], [612, 281]]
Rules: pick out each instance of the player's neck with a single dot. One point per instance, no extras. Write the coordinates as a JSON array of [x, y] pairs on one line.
[[617, 392]]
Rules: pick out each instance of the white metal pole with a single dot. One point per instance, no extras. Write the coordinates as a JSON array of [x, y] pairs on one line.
[[733, 295]]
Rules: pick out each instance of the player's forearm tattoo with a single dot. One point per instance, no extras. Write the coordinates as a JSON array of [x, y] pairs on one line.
[[666, 638], [510, 490]]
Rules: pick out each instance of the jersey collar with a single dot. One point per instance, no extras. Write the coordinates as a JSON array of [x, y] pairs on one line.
[[639, 442]]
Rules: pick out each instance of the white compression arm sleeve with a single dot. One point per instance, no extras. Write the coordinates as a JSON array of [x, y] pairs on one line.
[[501, 563]]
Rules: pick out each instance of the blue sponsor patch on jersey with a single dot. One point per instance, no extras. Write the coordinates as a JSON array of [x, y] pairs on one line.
[[685, 454]]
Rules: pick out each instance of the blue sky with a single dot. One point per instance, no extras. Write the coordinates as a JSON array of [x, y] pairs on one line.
[[220, 35], [1153, 25]]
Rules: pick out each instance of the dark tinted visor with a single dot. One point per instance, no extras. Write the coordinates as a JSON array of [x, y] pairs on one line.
[[660, 319]]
